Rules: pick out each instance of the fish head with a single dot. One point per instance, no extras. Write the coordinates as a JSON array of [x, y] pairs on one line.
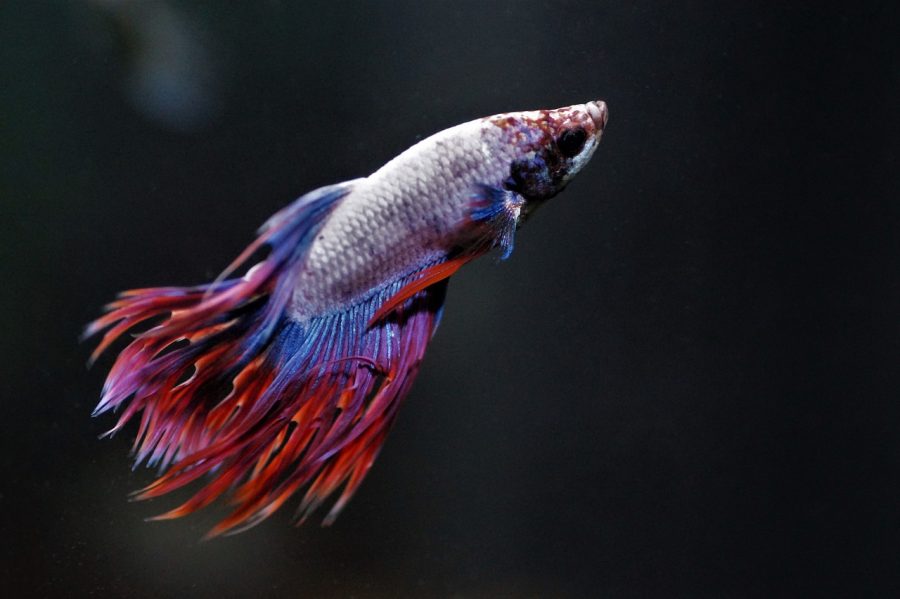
[[548, 147]]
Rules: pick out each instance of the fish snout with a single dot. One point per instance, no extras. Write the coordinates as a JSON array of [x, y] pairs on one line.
[[599, 113]]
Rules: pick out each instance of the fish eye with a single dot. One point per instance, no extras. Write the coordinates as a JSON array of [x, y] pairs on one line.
[[571, 141]]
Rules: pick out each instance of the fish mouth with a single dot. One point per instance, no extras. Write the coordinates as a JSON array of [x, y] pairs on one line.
[[599, 113]]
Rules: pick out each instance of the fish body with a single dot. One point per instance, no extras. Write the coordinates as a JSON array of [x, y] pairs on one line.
[[413, 210], [290, 376]]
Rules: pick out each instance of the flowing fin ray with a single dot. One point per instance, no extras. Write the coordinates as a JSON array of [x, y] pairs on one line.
[[235, 396]]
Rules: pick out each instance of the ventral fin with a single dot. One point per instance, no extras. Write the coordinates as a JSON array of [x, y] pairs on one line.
[[421, 280]]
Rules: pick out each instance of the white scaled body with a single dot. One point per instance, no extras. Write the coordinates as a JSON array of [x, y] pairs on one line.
[[405, 215]]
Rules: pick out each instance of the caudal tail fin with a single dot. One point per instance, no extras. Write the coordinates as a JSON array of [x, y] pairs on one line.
[[230, 390]]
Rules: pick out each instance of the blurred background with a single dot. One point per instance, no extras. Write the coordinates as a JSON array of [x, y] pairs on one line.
[[683, 383]]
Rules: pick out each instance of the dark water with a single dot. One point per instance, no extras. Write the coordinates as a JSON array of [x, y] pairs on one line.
[[684, 382]]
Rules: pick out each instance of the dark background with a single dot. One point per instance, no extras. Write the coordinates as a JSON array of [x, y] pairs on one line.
[[683, 383]]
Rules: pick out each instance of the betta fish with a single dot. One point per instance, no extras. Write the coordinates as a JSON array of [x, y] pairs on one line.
[[289, 377]]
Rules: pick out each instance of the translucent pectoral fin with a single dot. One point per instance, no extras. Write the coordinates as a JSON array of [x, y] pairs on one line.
[[498, 210]]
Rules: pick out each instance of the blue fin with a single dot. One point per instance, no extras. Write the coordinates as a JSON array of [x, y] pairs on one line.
[[500, 210], [229, 389]]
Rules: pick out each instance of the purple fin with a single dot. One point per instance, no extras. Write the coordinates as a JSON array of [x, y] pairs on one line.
[[230, 390], [499, 209]]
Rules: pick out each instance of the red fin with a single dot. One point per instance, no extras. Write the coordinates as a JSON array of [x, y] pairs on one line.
[[238, 400], [312, 412], [426, 278]]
